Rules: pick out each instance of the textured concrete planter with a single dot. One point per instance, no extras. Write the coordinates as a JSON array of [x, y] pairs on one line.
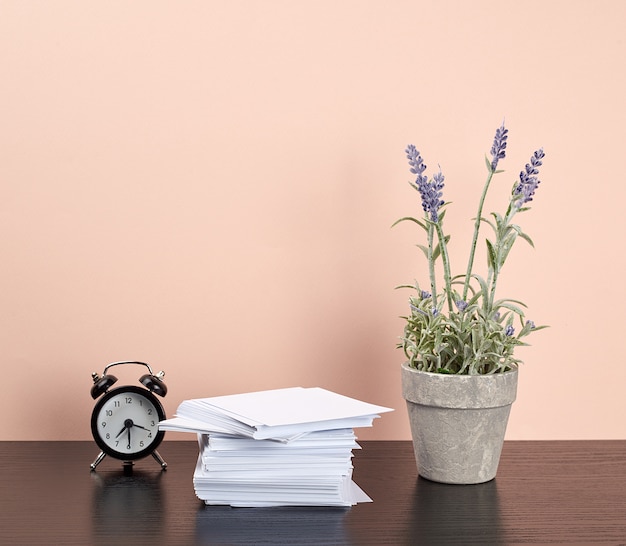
[[458, 423]]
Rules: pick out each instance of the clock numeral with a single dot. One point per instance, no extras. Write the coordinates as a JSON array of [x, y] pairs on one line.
[[149, 411], [149, 434], [104, 424], [116, 403], [109, 413], [107, 436], [129, 400], [141, 443]]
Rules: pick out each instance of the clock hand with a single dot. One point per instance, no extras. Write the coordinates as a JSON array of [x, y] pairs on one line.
[[127, 424], [139, 426]]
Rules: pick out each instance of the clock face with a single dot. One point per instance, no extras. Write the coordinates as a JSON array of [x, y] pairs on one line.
[[125, 423]]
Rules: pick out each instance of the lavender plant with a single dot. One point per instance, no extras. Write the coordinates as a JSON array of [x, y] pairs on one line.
[[462, 328]]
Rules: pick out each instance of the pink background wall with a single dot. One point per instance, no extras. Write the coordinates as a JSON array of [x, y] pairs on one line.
[[209, 187]]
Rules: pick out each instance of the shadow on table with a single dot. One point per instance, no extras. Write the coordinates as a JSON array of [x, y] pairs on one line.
[[278, 525], [127, 507], [455, 514]]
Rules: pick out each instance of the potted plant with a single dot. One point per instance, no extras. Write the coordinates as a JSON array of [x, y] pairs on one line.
[[460, 376]]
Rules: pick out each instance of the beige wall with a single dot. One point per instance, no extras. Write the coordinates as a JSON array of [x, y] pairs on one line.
[[209, 187]]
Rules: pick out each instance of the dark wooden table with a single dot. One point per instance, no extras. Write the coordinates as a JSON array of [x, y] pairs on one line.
[[570, 492]]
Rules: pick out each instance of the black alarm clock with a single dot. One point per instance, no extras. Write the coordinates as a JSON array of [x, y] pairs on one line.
[[125, 420]]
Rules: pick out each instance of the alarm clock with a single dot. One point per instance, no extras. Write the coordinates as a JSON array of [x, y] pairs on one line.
[[125, 420]]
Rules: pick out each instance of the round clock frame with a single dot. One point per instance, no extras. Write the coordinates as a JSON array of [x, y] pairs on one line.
[[138, 412], [124, 422]]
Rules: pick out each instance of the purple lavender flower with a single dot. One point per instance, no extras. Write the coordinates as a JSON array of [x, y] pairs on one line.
[[528, 180], [425, 295], [416, 162], [499, 146], [461, 305], [432, 196], [530, 324], [430, 191], [509, 331]]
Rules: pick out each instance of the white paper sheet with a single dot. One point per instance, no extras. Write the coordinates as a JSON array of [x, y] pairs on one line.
[[267, 490], [283, 447], [280, 413], [291, 406]]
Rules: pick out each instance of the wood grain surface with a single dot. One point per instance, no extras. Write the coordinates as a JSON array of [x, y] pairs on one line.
[[561, 492]]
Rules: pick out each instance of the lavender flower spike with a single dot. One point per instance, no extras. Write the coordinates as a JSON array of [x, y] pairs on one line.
[[430, 191], [416, 162], [499, 146], [528, 180], [432, 196]]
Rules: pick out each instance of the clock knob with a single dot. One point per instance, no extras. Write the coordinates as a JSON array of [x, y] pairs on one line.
[[101, 384], [154, 383]]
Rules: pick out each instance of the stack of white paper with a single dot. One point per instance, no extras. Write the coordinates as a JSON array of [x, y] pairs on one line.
[[284, 447]]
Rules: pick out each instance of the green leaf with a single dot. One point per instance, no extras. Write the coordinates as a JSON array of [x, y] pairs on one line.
[[527, 239], [474, 299], [424, 249], [499, 303], [511, 307], [519, 231], [409, 219], [486, 220], [506, 246], [491, 254], [499, 220], [482, 282]]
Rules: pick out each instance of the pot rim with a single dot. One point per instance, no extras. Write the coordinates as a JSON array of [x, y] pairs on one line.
[[514, 369], [459, 391]]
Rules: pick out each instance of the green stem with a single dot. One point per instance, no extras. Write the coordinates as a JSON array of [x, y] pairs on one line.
[[479, 215], [431, 265], [446, 264], [500, 235], [492, 292]]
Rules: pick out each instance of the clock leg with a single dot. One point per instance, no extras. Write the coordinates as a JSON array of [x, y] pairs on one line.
[[127, 466], [159, 459], [98, 460]]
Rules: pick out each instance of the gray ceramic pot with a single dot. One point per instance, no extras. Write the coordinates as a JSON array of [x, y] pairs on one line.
[[458, 423]]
